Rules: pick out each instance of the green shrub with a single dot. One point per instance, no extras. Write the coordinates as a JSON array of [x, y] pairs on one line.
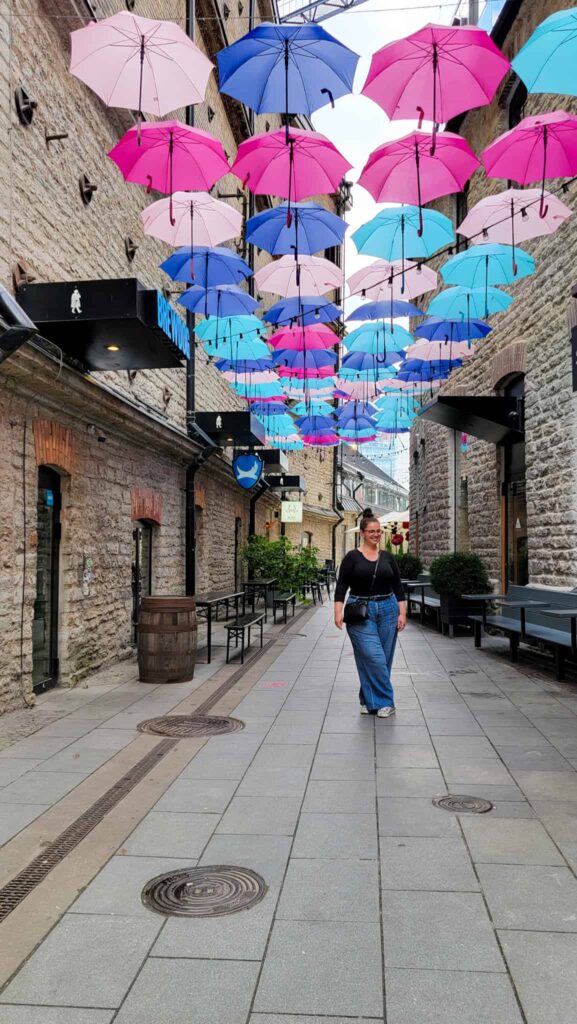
[[409, 565], [278, 559], [459, 573]]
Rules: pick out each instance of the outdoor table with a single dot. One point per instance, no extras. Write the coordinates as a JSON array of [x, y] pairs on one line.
[[213, 600], [410, 584], [260, 586], [522, 605], [483, 599], [567, 613]]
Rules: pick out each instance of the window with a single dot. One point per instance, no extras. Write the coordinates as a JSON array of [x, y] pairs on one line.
[[306, 539]]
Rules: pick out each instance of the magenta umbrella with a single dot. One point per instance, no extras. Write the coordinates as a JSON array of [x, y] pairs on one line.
[[408, 170], [384, 280], [304, 339], [167, 156], [436, 73], [309, 275], [190, 218], [140, 63], [539, 147], [308, 166]]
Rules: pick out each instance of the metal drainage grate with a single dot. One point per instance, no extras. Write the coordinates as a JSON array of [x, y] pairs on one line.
[[178, 726], [204, 891], [463, 804]]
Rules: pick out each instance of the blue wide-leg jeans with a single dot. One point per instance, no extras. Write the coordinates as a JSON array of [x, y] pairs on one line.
[[374, 642]]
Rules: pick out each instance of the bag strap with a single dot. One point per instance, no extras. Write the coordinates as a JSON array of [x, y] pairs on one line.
[[377, 563]]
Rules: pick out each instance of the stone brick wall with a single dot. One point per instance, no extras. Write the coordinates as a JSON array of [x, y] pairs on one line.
[[537, 319]]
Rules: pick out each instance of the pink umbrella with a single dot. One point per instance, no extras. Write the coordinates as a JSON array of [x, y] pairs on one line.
[[301, 339], [197, 219], [257, 377], [436, 73], [140, 63], [383, 280], [434, 351], [320, 440], [409, 171], [539, 147], [168, 155], [513, 216], [310, 275], [304, 374], [358, 391], [308, 166]]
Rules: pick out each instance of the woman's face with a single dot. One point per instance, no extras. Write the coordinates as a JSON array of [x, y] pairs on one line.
[[372, 534]]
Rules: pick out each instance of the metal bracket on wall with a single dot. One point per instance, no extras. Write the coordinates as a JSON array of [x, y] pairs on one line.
[[54, 137], [22, 274], [87, 189], [130, 248]]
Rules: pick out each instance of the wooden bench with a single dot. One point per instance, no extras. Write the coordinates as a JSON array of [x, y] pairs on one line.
[[240, 628], [537, 625], [282, 601]]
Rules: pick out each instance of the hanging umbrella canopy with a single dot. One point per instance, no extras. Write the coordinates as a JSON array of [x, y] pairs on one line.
[[301, 339], [284, 444], [438, 351], [488, 264], [305, 373], [309, 275], [383, 279], [308, 165], [320, 440], [315, 360], [436, 328], [231, 328], [315, 424], [512, 216], [408, 170], [307, 310], [223, 300], [357, 390], [287, 68], [206, 266], [395, 233], [469, 302], [304, 389], [384, 309], [197, 218], [254, 377], [434, 368], [377, 338], [436, 73], [169, 155], [547, 61], [539, 147], [258, 392], [303, 228], [140, 63], [358, 362], [313, 407], [354, 408], [236, 349], [243, 366]]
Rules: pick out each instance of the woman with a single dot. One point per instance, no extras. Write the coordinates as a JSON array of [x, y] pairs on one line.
[[373, 575]]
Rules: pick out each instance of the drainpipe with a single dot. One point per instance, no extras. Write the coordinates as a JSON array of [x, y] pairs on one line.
[[209, 448], [262, 487], [336, 509], [251, 198]]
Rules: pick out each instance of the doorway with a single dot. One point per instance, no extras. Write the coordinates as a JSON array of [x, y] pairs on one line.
[[514, 524], [45, 620], [141, 570], [237, 552]]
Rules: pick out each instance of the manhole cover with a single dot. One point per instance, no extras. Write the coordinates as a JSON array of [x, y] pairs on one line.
[[190, 725], [204, 892], [463, 804]]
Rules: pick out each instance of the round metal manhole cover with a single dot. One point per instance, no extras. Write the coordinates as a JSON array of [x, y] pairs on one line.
[[463, 804], [190, 725], [204, 891]]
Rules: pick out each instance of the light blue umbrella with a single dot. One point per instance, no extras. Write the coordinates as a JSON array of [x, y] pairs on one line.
[[485, 265], [547, 61], [220, 327], [292, 385], [250, 390], [313, 407], [394, 234], [306, 309], [286, 446], [378, 339], [236, 349], [385, 309], [469, 302]]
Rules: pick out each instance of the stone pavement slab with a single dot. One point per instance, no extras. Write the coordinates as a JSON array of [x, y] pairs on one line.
[[261, 815], [54, 1015], [330, 890], [195, 991], [450, 997], [117, 888], [492, 841], [171, 834], [438, 865], [415, 817], [543, 966], [531, 898], [336, 836]]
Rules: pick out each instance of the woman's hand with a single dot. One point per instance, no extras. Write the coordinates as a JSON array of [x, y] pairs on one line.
[[401, 621], [339, 614]]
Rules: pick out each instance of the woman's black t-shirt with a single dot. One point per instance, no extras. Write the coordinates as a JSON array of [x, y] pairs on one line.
[[356, 572]]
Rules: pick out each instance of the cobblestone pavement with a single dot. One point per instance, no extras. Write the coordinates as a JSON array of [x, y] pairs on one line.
[[380, 906]]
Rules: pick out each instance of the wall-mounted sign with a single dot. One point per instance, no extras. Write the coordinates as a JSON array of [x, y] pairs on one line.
[[291, 512], [169, 321], [247, 469]]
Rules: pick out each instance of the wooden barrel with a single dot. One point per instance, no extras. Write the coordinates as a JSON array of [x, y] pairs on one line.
[[167, 639]]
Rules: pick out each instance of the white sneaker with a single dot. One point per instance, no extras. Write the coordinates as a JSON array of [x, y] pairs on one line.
[[386, 712], [364, 710]]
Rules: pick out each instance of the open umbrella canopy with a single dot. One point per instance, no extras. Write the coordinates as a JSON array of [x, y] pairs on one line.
[[385, 308], [436, 328], [357, 390], [301, 339], [315, 360], [308, 275], [140, 63], [243, 366], [308, 166], [236, 349], [306, 310], [304, 228], [206, 266], [309, 388], [378, 339], [290, 68], [547, 61], [431, 368], [258, 392], [438, 351], [284, 444], [436, 73], [367, 362], [383, 280], [394, 233], [354, 408], [313, 407], [255, 377], [315, 424], [191, 218], [489, 264], [469, 302], [512, 216], [231, 328], [222, 300], [168, 155], [320, 440]]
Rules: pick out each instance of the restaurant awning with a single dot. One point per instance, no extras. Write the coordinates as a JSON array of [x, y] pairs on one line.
[[493, 418]]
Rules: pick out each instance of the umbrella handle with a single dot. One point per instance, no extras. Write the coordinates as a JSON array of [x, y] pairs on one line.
[[421, 113], [543, 208], [149, 186], [327, 92]]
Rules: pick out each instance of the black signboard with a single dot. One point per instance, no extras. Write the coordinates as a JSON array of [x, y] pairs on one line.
[[286, 482], [232, 429]]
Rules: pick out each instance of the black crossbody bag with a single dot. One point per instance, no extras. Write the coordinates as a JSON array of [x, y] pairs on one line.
[[356, 613]]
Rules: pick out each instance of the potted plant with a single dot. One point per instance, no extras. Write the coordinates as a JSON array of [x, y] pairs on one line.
[[409, 565], [454, 575]]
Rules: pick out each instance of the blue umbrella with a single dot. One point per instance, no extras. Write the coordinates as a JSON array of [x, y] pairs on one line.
[[469, 302], [314, 424], [266, 409], [395, 234], [310, 309], [224, 300], [484, 265], [370, 374], [230, 327], [304, 228], [313, 360], [243, 365], [435, 328], [546, 63], [358, 408], [287, 446], [210, 266], [279, 425], [436, 366], [287, 68], [386, 308], [355, 362]]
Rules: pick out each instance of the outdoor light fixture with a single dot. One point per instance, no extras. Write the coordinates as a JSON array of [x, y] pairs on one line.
[[15, 326], [87, 189], [25, 106], [130, 248], [112, 348]]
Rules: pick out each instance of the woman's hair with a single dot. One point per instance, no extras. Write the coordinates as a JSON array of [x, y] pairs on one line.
[[368, 517]]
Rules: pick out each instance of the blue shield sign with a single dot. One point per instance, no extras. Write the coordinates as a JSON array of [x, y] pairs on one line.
[[247, 470]]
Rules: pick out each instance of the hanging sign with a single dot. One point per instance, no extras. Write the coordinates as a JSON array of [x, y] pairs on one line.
[[247, 469], [291, 512]]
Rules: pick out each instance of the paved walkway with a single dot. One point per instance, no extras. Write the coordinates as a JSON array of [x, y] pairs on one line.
[[474, 917]]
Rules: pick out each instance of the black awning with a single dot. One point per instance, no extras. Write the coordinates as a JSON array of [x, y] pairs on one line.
[[228, 429], [286, 482], [109, 325], [492, 418]]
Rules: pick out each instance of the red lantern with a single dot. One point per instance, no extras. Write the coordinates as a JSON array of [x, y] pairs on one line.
[[397, 539], [407, 535], [406, 526]]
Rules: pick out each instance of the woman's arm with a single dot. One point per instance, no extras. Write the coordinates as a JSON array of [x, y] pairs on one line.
[[339, 614], [343, 583], [399, 592]]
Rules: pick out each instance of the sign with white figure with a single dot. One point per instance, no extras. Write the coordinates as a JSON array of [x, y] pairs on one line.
[[247, 469]]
